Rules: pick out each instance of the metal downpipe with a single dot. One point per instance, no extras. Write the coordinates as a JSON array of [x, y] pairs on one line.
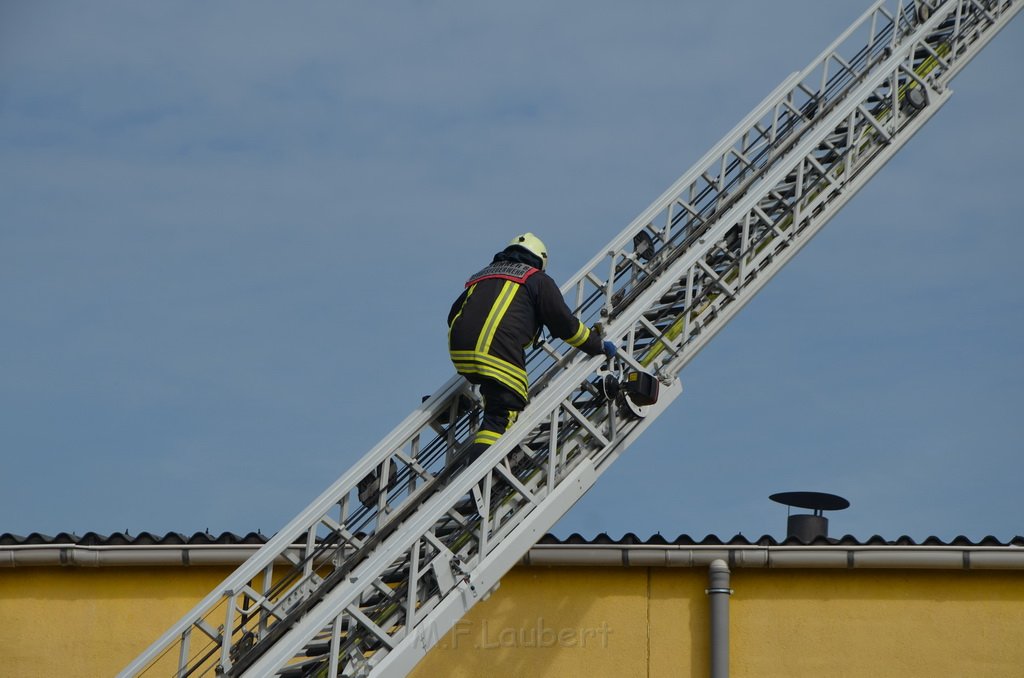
[[718, 595]]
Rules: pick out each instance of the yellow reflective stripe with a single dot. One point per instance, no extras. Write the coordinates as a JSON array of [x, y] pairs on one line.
[[471, 362], [514, 386], [501, 304], [457, 315], [515, 380], [473, 366], [497, 364], [581, 336], [486, 437]]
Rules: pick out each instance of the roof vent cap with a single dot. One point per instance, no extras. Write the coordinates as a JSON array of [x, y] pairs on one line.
[[807, 527]]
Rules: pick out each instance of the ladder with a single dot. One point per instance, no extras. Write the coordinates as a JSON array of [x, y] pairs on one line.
[[385, 561]]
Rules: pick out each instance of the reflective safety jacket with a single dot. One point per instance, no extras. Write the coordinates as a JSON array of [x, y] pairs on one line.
[[500, 313]]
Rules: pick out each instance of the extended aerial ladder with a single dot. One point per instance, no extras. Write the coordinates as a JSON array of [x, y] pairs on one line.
[[380, 566]]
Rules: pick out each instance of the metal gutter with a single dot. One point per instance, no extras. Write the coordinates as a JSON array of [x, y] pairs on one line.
[[149, 555], [825, 556], [816, 556]]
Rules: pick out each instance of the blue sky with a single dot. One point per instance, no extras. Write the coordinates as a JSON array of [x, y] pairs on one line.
[[230, 233]]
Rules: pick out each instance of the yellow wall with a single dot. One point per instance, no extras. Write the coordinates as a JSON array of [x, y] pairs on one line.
[[551, 622], [572, 621], [90, 622], [882, 623], [628, 622]]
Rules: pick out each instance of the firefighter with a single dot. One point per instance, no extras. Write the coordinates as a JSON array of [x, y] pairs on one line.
[[501, 311]]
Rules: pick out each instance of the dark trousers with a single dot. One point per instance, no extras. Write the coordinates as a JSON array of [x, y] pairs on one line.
[[501, 408]]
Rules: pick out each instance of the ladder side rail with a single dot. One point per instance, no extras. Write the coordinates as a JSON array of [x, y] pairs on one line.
[[362, 576], [759, 118], [349, 551], [701, 172], [720, 316], [498, 561], [861, 173], [805, 149], [540, 495], [245, 664], [627, 260], [424, 519], [620, 243], [1003, 12], [283, 541], [305, 588], [717, 315]]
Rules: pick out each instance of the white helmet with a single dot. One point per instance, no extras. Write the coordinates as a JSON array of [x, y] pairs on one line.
[[533, 245]]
